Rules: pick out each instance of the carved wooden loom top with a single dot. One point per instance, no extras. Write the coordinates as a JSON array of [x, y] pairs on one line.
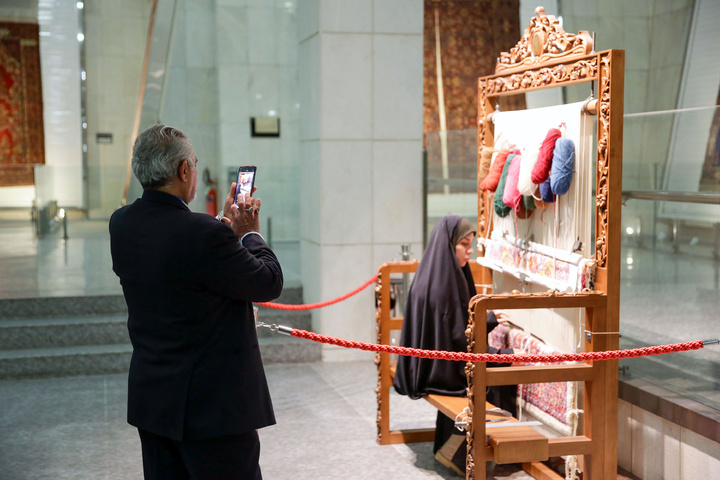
[[544, 40]]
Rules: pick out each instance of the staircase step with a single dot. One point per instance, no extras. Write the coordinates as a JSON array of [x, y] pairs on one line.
[[104, 359], [60, 336], [61, 306], [63, 331], [62, 361], [290, 296], [92, 305]]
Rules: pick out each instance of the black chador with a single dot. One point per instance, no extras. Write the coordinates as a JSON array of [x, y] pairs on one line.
[[436, 316]]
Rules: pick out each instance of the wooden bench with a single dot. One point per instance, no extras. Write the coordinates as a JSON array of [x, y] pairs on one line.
[[521, 444]]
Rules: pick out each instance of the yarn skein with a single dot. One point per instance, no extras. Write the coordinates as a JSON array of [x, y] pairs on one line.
[[511, 196], [500, 208], [529, 202], [525, 208], [541, 169], [563, 166], [490, 183], [545, 192], [525, 184], [486, 157]]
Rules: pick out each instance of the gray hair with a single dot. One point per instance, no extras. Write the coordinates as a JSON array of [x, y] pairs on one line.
[[157, 155]]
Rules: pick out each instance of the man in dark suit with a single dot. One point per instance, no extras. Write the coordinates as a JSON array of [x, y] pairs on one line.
[[197, 390]]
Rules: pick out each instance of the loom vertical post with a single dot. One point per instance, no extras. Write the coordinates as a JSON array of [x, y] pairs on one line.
[[608, 226]]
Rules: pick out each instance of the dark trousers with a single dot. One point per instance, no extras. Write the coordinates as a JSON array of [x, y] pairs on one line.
[[225, 458]]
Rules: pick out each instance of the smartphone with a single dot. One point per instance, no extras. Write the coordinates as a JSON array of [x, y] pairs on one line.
[[245, 181]]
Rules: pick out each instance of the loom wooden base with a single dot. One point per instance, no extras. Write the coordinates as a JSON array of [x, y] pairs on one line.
[[520, 444]]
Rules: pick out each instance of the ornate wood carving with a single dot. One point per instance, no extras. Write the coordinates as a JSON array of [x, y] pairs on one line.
[[484, 218], [542, 77], [544, 40], [485, 137], [470, 374], [378, 300], [603, 164]]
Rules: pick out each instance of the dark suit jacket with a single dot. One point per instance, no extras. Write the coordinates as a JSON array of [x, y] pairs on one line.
[[196, 370]]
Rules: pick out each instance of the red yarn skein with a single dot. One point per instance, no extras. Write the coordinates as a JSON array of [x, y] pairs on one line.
[[511, 196], [490, 182], [541, 170]]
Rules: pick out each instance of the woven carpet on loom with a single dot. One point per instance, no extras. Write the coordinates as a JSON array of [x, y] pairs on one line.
[[22, 143]]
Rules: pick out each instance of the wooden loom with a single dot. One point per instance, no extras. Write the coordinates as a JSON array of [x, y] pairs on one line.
[[545, 57]]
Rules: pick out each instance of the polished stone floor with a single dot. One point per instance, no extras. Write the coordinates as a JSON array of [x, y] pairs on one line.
[[74, 427]]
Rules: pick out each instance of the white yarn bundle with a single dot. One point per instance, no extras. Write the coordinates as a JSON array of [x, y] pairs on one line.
[[525, 184]]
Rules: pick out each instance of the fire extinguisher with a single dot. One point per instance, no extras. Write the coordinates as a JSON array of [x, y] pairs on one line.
[[210, 195]]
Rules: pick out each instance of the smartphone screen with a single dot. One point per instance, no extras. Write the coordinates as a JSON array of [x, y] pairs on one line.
[[245, 180]]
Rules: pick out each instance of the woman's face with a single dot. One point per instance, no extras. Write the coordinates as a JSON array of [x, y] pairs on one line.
[[464, 249]]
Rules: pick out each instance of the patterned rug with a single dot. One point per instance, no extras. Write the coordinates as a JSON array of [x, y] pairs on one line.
[[22, 143]]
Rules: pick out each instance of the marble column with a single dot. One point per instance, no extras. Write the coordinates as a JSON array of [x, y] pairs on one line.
[[360, 72]]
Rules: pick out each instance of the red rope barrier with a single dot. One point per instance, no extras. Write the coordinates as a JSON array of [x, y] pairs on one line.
[[500, 358], [311, 306]]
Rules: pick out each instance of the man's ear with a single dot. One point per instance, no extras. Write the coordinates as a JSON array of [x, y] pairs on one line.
[[183, 171]]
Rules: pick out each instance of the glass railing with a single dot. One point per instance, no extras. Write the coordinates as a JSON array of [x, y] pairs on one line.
[[451, 176], [671, 235]]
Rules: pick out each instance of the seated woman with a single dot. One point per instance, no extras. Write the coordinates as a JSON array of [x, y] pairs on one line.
[[436, 316]]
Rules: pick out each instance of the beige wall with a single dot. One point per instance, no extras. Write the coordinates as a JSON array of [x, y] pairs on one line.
[[360, 69], [650, 448]]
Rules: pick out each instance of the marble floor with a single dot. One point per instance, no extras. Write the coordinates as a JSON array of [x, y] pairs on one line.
[[74, 427]]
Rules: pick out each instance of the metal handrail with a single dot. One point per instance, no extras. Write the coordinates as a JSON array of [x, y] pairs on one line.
[[658, 196], [452, 182], [662, 196]]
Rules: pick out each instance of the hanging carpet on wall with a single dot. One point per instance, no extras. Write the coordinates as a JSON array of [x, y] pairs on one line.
[[22, 143]]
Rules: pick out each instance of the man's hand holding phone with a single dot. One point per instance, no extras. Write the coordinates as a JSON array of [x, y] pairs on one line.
[[242, 211], [246, 180]]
